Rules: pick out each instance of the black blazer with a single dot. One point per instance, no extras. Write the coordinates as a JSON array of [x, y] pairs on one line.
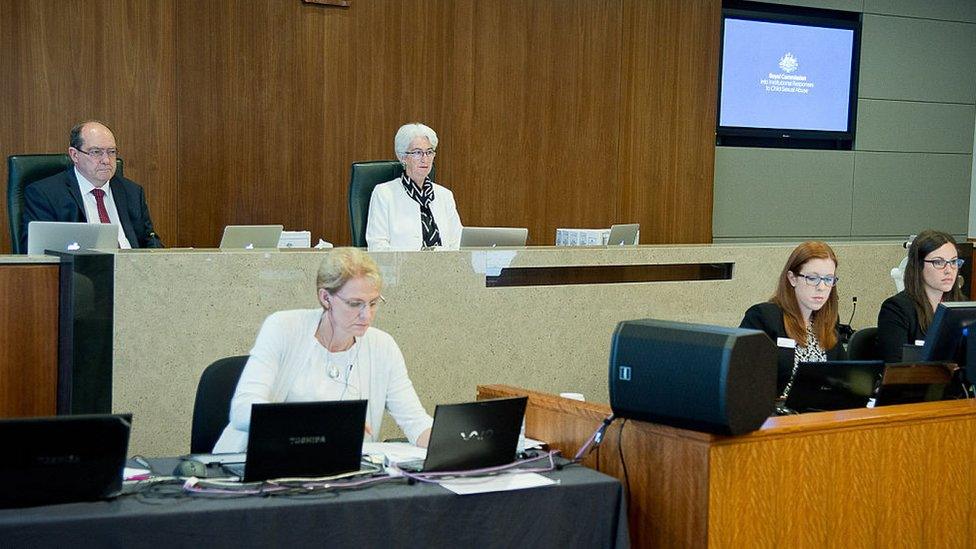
[[57, 198], [768, 317], [897, 326]]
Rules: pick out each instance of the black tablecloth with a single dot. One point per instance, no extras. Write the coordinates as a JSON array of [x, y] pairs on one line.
[[585, 509]]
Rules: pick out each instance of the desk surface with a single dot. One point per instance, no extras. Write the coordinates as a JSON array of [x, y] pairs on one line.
[[583, 510]]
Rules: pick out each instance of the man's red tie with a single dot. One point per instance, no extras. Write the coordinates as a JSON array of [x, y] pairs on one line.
[[100, 202]]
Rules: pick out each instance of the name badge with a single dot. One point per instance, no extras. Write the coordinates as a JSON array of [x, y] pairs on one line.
[[920, 343], [785, 343]]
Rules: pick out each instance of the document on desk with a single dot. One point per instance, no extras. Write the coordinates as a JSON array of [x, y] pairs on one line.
[[497, 483]]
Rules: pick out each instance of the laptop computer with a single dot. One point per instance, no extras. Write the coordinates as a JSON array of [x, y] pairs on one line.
[[834, 385], [490, 237], [251, 237], [65, 237], [61, 459], [303, 439], [623, 235], [474, 435]]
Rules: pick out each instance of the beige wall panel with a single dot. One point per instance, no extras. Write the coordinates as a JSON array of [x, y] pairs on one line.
[[914, 127], [917, 60], [782, 193], [949, 10], [896, 194]]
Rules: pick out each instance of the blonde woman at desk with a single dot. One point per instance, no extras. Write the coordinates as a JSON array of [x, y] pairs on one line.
[[330, 353]]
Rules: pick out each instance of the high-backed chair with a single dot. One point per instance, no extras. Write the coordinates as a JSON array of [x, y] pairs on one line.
[[363, 177], [211, 409], [22, 170], [864, 345]]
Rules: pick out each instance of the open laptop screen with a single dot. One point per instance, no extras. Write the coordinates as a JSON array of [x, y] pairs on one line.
[[62, 459], [64, 236], [473, 435], [304, 439]]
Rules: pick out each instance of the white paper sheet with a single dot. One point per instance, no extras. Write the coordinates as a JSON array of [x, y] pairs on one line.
[[497, 483]]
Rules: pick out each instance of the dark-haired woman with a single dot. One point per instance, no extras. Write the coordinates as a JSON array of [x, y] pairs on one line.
[[931, 277], [801, 317]]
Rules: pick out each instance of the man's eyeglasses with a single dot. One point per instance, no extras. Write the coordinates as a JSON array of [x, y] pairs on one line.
[[418, 154], [361, 305], [99, 154], [940, 263], [815, 280]]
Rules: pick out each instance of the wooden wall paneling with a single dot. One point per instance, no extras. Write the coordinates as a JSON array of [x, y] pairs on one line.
[[28, 340], [65, 61], [546, 95], [244, 117], [574, 113], [667, 135]]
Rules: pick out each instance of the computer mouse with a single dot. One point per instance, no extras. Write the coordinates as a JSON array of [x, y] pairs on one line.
[[191, 468]]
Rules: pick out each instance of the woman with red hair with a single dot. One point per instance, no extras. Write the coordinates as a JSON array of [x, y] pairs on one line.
[[801, 317]]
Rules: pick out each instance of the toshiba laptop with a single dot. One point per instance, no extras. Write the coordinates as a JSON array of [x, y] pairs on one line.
[[251, 237], [490, 237], [623, 235], [303, 439], [834, 385], [65, 237], [474, 435], [62, 459]]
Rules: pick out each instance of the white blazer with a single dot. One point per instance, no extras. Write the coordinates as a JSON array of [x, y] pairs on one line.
[[394, 218]]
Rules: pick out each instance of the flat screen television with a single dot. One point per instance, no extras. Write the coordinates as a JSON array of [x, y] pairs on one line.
[[788, 76]]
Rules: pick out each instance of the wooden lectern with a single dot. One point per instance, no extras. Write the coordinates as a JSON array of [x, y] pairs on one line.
[[894, 476]]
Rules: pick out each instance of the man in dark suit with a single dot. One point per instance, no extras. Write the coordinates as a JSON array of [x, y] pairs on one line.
[[90, 191]]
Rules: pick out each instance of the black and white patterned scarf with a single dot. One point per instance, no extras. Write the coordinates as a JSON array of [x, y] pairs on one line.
[[432, 237]]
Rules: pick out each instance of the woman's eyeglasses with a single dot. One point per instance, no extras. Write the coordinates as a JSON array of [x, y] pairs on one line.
[[940, 263]]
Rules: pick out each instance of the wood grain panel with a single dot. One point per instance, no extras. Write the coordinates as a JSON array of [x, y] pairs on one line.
[[893, 476], [667, 113], [551, 113], [28, 340], [65, 61]]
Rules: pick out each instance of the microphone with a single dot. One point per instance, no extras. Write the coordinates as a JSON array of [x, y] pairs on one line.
[[846, 331]]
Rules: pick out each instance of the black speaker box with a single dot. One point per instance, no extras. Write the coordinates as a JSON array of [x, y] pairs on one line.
[[693, 376]]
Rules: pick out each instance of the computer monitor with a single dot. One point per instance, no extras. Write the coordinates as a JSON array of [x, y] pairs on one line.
[[946, 338]]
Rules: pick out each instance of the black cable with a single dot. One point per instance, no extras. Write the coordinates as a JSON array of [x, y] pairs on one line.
[[623, 463]]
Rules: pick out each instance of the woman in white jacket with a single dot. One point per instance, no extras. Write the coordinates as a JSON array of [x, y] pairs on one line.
[[330, 353], [412, 212]]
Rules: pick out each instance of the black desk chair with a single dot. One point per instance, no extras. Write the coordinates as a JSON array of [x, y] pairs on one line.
[[211, 409], [22, 170], [363, 178], [864, 345]]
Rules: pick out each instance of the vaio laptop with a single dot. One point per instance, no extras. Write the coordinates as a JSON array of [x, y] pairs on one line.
[[251, 237], [490, 237], [623, 235], [65, 237], [474, 435], [303, 439], [834, 385], [61, 459]]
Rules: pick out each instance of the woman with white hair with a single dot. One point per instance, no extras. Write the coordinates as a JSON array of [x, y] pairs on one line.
[[412, 212], [330, 352]]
